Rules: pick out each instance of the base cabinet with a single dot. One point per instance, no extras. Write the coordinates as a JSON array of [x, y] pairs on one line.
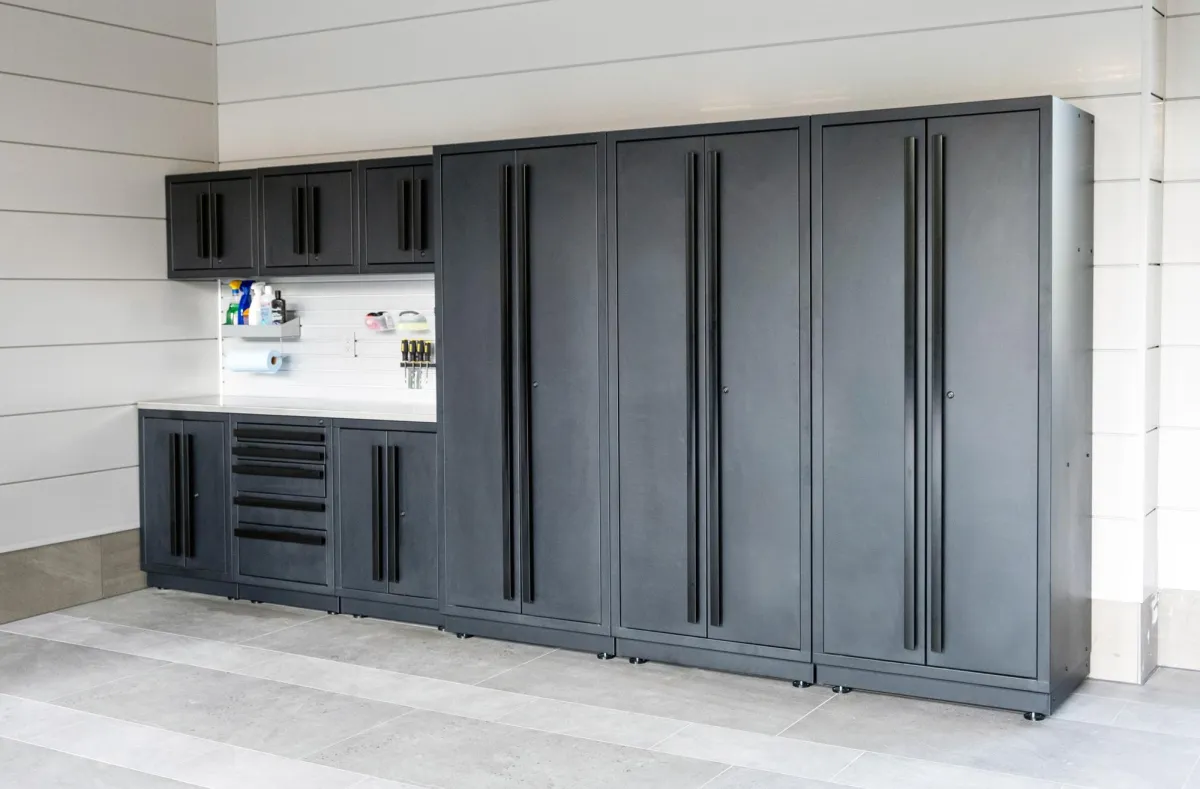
[[184, 493], [387, 513]]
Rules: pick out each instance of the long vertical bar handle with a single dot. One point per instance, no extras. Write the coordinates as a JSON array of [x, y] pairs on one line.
[[218, 240], [403, 192], [173, 472], [910, 392], [189, 526], [314, 218], [297, 245], [715, 550], [394, 497], [376, 515], [419, 216], [526, 378], [506, 374], [937, 433], [200, 226], [693, 523]]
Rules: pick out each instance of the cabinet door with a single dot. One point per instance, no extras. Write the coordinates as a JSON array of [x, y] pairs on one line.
[[985, 466], [423, 203], [388, 216], [476, 378], [867, 449], [331, 219], [559, 388], [361, 490], [285, 214], [413, 549], [233, 224], [206, 495], [190, 243], [758, 275], [657, 273], [160, 492]]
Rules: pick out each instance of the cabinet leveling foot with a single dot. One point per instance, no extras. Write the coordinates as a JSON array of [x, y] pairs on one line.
[[462, 635], [799, 683], [605, 656], [637, 661], [1035, 716], [841, 689]]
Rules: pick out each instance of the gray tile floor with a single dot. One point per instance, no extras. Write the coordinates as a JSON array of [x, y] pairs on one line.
[[156, 689]]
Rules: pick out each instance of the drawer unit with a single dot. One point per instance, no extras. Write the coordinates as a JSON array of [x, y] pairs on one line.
[[281, 513], [290, 555]]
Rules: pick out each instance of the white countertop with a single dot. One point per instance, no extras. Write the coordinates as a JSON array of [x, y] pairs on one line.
[[288, 406]]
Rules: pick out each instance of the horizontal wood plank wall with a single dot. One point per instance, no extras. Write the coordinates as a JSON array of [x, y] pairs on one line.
[[102, 98], [337, 357], [1179, 462]]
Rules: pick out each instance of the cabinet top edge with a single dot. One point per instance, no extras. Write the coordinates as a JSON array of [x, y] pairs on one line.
[[295, 407], [937, 111]]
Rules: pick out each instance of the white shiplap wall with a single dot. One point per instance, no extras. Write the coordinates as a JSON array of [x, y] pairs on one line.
[[1179, 513], [101, 99], [336, 356], [306, 80]]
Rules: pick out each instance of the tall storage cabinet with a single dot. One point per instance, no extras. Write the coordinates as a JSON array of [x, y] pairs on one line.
[[952, 302], [520, 267], [710, 290]]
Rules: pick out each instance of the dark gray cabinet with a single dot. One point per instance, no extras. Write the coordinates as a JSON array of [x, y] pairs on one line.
[[184, 486], [521, 326], [952, 294], [211, 225], [309, 218], [387, 513], [711, 277], [397, 200]]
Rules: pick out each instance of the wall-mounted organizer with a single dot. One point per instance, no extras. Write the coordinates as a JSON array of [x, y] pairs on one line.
[[288, 330]]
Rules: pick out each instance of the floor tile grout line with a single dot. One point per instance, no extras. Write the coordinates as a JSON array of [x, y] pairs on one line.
[[105, 683], [305, 758], [847, 766], [675, 733], [11, 738], [805, 715], [512, 668], [715, 777], [244, 641], [1188, 778]]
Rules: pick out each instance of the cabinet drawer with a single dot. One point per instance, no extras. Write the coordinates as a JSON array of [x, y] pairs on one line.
[[287, 478], [273, 511], [294, 555], [290, 453], [293, 434]]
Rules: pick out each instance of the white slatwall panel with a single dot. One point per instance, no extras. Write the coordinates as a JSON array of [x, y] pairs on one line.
[[1096, 54], [1183, 58], [193, 19], [577, 32], [333, 156], [1182, 144], [337, 357], [85, 182], [68, 508], [74, 50], [76, 116], [57, 312], [65, 377], [67, 246], [68, 442], [1177, 7]]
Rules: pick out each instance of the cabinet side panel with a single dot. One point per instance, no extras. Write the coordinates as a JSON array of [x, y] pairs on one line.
[[1070, 560]]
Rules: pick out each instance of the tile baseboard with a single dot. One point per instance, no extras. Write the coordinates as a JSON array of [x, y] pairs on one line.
[[51, 577]]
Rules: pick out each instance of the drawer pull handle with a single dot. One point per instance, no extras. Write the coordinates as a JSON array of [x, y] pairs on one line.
[[279, 536], [279, 471], [273, 453], [279, 504]]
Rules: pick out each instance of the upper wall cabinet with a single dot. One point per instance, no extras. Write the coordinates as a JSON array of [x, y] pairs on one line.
[[211, 226], [396, 197], [371, 217], [309, 218]]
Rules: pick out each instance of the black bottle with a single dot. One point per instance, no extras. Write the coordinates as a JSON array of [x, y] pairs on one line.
[[278, 310]]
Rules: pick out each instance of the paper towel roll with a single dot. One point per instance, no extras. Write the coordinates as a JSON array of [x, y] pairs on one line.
[[267, 360]]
